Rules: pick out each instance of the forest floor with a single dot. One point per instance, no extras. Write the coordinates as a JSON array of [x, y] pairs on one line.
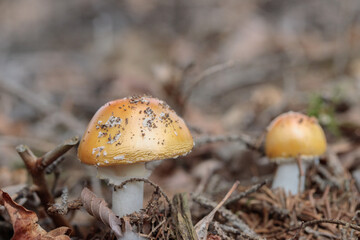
[[227, 68]]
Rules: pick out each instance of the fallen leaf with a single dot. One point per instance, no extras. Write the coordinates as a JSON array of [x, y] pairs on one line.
[[98, 208], [25, 224]]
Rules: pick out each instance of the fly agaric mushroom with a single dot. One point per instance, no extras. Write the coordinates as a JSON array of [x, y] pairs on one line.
[[290, 136], [123, 135]]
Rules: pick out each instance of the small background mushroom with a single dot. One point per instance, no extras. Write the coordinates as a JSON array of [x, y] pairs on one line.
[[293, 140]]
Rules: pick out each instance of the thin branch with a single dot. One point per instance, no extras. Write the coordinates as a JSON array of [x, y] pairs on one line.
[[39, 181], [216, 229], [320, 235], [253, 189], [57, 152], [56, 180], [233, 219], [155, 228], [245, 139], [206, 73], [231, 230], [202, 226], [36, 167], [53, 167], [40, 104], [64, 209], [27, 156], [314, 222], [332, 221], [296, 236]]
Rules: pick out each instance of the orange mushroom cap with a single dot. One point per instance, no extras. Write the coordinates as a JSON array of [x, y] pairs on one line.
[[135, 129], [292, 135]]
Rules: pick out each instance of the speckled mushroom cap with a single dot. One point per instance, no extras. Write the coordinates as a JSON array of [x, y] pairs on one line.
[[135, 129], [292, 135]]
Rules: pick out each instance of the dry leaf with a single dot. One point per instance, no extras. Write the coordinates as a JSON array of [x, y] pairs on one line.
[[98, 208], [25, 222]]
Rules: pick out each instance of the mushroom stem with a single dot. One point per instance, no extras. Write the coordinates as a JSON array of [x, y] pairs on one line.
[[288, 177], [128, 199]]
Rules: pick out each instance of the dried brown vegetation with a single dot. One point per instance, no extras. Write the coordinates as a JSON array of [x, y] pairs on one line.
[[226, 67]]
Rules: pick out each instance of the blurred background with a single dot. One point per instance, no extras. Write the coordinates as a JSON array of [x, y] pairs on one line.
[[225, 66]]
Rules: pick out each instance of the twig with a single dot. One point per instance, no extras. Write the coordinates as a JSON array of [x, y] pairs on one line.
[[39, 181], [298, 230], [36, 167], [335, 165], [245, 139], [228, 229], [253, 189], [204, 171], [203, 225], [24, 192], [182, 218], [332, 180], [318, 221], [72, 205], [55, 183], [60, 150], [278, 212], [65, 197], [320, 182], [219, 230], [320, 234], [155, 228], [52, 167], [231, 230], [40, 104], [145, 181], [354, 218], [228, 215], [206, 73], [332, 221], [62, 208]]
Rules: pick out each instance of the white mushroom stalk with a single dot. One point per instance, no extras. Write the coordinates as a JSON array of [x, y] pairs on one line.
[[129, 198], [288, 175]]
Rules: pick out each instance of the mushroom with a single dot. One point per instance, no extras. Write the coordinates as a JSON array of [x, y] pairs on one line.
[[125, 134], [289, 137]]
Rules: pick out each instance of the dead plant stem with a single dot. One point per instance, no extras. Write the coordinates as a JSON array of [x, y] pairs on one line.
[[241, 195], [36, 167]]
